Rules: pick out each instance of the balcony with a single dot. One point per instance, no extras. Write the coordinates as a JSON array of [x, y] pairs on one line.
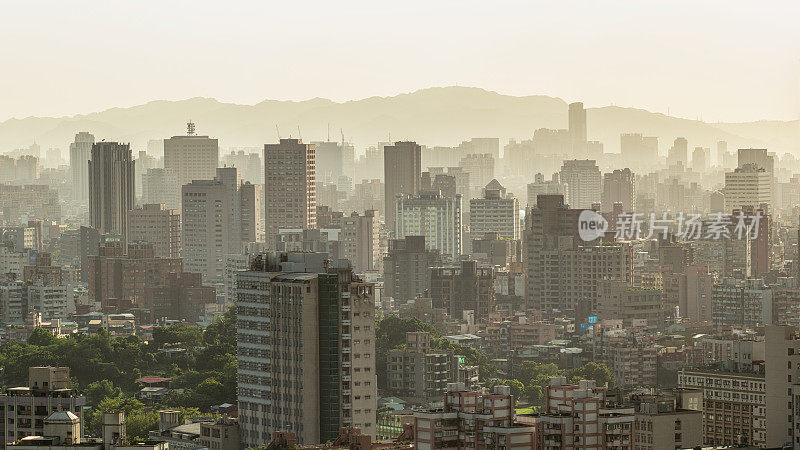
[[345, 377], [346, 322], [346, 364], [347, 406], [345, 349], [346, 294], [346, 392], [346, 336], [346, 308]]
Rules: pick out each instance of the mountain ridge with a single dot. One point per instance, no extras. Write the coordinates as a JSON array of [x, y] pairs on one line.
[[431, 116]]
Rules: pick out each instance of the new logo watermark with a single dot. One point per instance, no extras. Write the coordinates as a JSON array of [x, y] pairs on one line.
[[591, 225], [690, 226]]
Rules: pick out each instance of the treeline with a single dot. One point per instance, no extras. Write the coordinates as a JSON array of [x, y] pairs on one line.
[[105, 369]]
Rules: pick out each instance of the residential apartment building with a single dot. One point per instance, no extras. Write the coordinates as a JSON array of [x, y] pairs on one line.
[[584, 182], [361, 241], [431, 215], [407, 268], [496, 212], [577, 416], [24, 408], [472, 419], [734, 406], [306, 349], [157, 225], [290, 187], [467, 287], [619, 186], [748, 186], [418, 373]]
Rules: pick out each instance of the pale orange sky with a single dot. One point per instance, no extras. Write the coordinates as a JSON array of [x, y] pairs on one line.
[[724, 60]]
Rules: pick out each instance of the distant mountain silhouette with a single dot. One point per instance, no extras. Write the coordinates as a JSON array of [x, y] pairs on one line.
[[435, 116]]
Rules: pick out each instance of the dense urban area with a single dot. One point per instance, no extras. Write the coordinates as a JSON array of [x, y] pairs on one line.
[[318, 295]]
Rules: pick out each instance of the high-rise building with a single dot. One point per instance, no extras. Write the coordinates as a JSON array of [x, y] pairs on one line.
[[191, 157], [463, 288], [161, 186], [79, 153], [402, 173], [496, 212], [782, 391], [639, 150], [577, 128], [480, 168], [583, 180], [431, 215], [699, 160], [306, 349], [563, 271], [111, 187], [748, 186], [214, 215], [619, 186], [290, 187], [361, 241], [735, 409], [678, 154], [406, 268], [119, 280], [542, 187], [690, 291], [157, 225]]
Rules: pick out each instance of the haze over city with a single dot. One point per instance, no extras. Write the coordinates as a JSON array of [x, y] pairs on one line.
[[724, 61], [420, 225]]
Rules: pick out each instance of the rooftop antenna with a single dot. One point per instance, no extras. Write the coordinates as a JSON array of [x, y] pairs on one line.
[[300, 136], [329, 131], [190, 128], [342, 131], [278, 132]]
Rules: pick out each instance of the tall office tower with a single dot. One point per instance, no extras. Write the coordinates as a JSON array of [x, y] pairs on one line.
[[463, 288], [360, 240], [678, 153], [161, 186], [562, 270], [191, 157], [402, 173], [334, 160], [496, 212], [306, 349], [583, 180], [722, 152], [250, 207], [699, 161], [619, 186], [406, 269], [79, 152], [431, 215], [213, 223], [480, 168], [111, 187], [156, 225], [290, 187], [248, 161], [143, 162], [748, 186], [577, 128]]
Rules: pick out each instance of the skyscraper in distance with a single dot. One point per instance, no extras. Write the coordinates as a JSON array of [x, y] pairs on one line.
[[191, 157], [290, 187], [577, 128], [111, 187], [402, 164], [79, 153]]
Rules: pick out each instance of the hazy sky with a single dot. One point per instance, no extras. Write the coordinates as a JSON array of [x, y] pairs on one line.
[[727, 60]]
